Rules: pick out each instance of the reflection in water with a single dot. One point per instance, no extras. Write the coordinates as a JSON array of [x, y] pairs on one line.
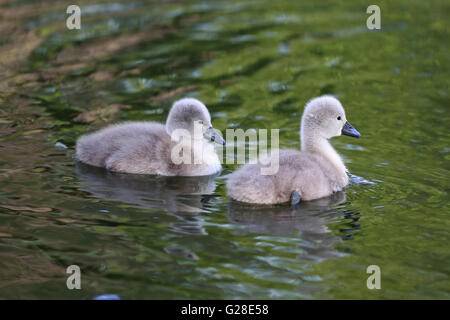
[[172, 194], [308, 221], [183, 197]]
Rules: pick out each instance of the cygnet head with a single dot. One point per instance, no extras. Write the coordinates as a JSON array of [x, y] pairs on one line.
[[324, 117], [191, 115]]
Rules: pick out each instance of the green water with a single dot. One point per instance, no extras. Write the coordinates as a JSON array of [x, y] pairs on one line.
[[254, 64]]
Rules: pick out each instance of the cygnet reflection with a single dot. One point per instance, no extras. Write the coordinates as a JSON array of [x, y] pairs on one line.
[[184, 197], [308, 221]]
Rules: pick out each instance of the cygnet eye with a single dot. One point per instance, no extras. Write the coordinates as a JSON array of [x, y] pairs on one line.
[[200, 121], [339, 118]]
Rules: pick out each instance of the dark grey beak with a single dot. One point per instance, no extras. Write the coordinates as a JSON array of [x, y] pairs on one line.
[[213, 135], [348, 130]]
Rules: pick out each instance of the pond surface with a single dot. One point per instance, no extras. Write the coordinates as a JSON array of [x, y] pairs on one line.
[[255, 64]]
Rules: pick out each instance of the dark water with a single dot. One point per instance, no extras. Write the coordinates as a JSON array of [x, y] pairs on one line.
[[254, 64]]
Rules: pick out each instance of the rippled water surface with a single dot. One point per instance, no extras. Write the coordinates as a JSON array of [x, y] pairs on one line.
[[254, 64]]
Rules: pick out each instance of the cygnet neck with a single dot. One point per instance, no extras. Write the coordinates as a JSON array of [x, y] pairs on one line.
[[199, 149], [321, 146]]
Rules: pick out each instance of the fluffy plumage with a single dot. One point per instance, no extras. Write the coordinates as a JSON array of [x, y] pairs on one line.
[[146, 147], [315, 172]]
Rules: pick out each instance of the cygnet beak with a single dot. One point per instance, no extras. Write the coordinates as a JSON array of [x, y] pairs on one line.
[[212, 135], [348, 130]]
